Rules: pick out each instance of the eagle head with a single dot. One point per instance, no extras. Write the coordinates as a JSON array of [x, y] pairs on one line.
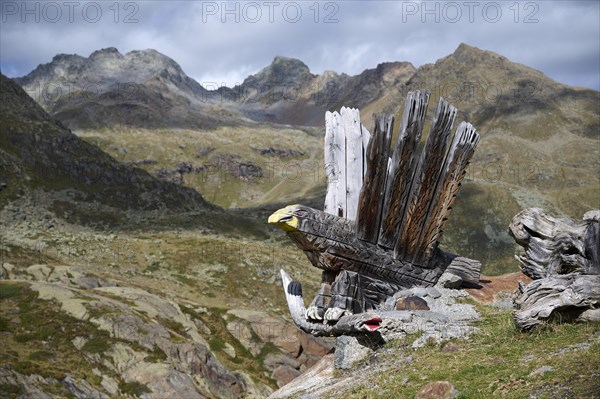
[[289, 218]]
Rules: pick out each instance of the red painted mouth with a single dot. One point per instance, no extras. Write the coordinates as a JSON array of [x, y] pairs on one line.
[[372, 324]]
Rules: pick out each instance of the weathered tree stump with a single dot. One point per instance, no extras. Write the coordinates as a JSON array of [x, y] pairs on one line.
[[384, 215], [562, 256]]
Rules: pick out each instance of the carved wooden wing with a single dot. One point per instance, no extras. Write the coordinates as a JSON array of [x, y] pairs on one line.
[[400, 199]]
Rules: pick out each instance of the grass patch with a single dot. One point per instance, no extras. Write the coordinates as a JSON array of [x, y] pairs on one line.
[[4, 325], [174, 326], [41, 340], [97, 344], [41, 355], [216, 344], [10, 290], [133, 388], [11, 391], [156, 356], [497, 362]]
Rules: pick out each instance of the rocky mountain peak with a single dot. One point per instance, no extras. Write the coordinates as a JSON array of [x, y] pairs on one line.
[[65, 58], [106, 70], [109, 52], [282, 71], [466, 54]]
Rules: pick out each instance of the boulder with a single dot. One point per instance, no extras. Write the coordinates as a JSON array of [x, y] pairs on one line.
[[449, 280], [437, 390], [411, 303], [284, 374], [39, 272], [349, 351]]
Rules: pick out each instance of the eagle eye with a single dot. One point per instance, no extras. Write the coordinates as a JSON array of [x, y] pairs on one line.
[[300, 213]]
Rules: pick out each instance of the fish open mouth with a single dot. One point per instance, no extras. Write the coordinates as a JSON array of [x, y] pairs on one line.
[[372, 324]]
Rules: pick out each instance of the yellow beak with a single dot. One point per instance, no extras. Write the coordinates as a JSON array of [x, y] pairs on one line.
[[284, 219]]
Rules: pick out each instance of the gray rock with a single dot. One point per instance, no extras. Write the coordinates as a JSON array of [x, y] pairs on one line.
[[110, 385], [403, 293], [348, 351], [402, 315], [39, 272], [229, 350], [433, 293], [82, 389], [449, 280], [284, 374], [8, 266], [91, 281], [419, 291], [203, 328], [446, 319], [541, 371], [274, 360], [79, 342], [589, 315], [437, 390]]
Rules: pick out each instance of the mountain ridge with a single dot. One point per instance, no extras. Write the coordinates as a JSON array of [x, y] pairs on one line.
[[285, 91]]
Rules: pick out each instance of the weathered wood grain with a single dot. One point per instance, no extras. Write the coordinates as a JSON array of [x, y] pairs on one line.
[[345, 146], [402, 168], [560, 297], [448, 184], [366, 137], [556, 245], [335, 162], [561, 255], [425, 182], [373, 190], [469, 270], [350, 122]]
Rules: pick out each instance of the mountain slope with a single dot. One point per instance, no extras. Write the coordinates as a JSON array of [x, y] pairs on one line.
[[539, 145], [32, 142], [46, 167]]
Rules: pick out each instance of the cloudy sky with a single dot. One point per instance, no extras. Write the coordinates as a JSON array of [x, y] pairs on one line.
[[226, 41]]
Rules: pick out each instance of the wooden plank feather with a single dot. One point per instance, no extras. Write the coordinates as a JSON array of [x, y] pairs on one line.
[[453, 171], [402, 167], [350, 122], [335, 165], [366, 137], [425, 182], [373, 190]]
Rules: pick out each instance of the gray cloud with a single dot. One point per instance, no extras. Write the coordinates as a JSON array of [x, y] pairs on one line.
[[224, 42]]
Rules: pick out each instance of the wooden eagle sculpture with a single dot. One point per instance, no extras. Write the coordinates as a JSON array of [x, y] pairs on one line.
[[384, 215]]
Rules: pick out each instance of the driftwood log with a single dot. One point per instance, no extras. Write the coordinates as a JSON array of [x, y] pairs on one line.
[[562, 256], [384, 215]]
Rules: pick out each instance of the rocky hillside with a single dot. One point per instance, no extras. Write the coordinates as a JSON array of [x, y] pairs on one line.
[[101, 338], [46, 167]]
